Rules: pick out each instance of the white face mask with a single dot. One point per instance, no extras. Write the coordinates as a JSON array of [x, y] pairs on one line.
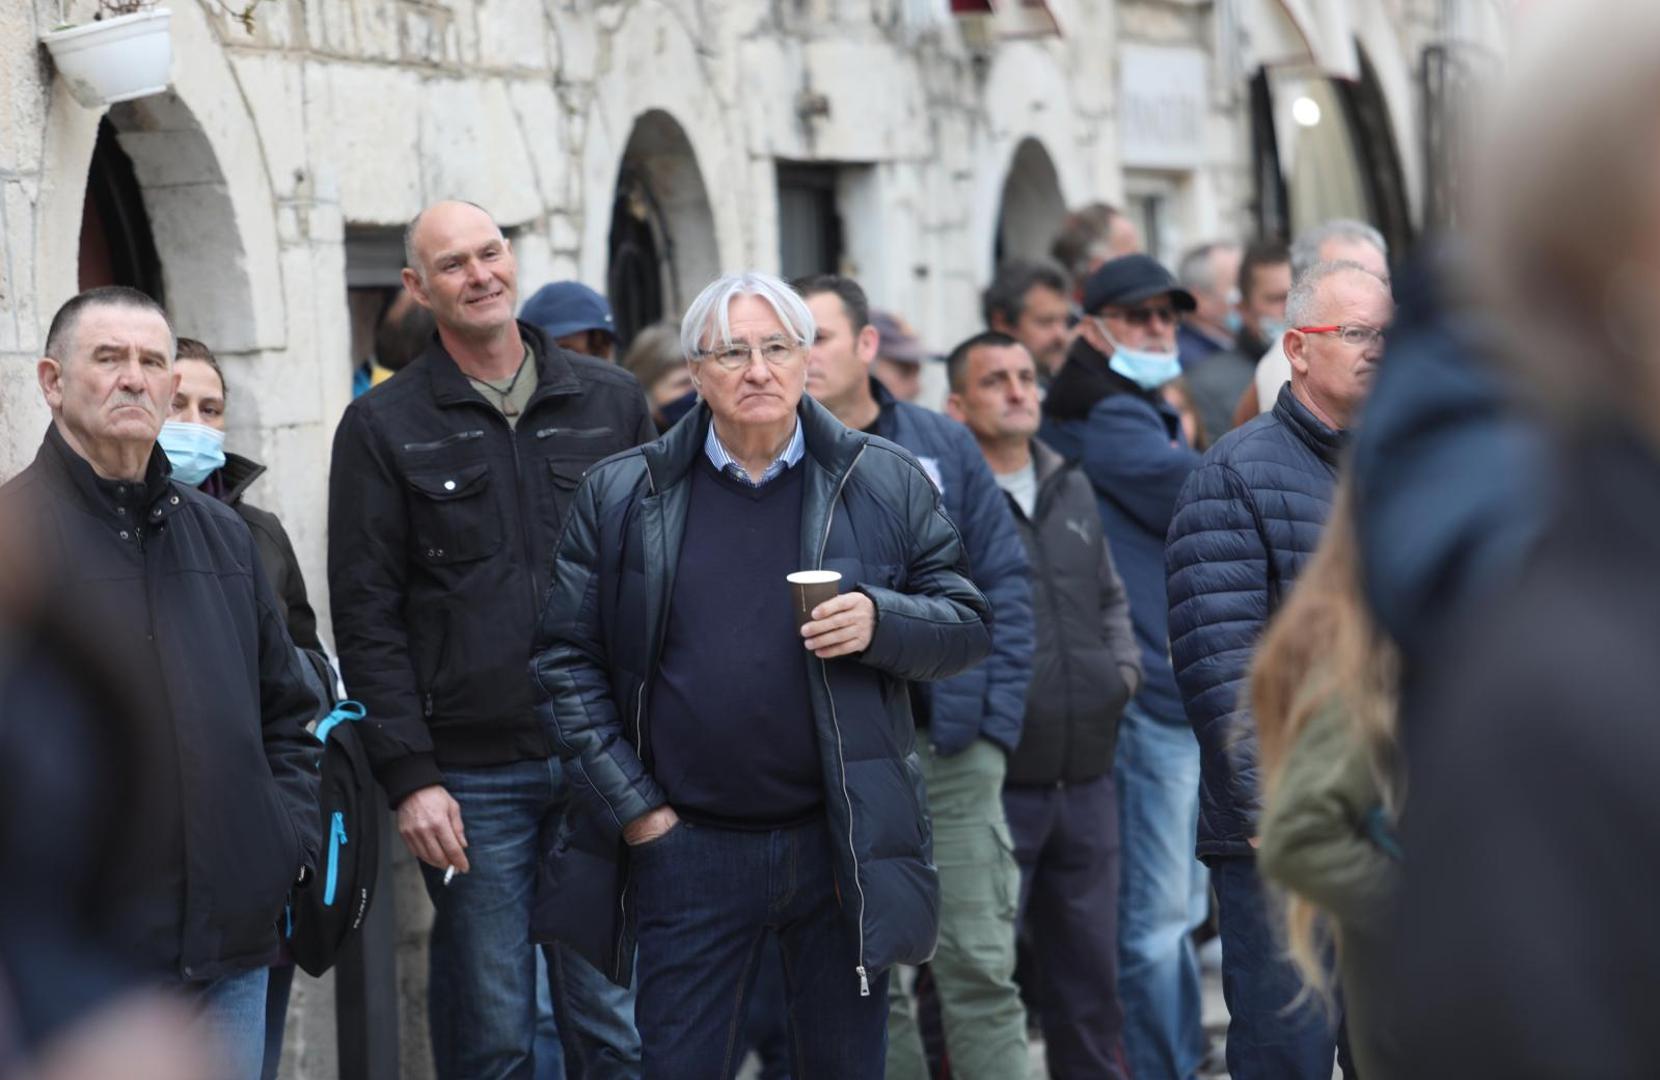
[[1148, 370]]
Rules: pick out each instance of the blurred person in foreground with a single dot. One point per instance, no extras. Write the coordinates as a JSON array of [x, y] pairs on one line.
[[1529, 946], [1106, 412], [194, 439], [746, 776], [971, 723], [1059, 795], [448, 489], [1217, 381], [1238, 540], [1031, 302], [1091, 235], [899, 356], [1211, 273], [575, 317], [1324, 687], [170, 575], [653, 357], [1339, 240]]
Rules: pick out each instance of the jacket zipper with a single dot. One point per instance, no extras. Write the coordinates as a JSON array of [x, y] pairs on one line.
[[574, 432], [1054, 609], [439, 444], [639, 748], [337, 839], [841, 752]]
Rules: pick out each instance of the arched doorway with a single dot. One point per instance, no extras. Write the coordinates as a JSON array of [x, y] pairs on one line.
[[116, 245], [1032, 205], [662, 238]]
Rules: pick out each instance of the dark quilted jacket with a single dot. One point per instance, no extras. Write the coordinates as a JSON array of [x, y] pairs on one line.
[[869, 511], [1247, 520]]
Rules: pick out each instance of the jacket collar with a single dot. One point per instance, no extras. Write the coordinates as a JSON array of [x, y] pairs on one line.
[[1084, 380], [831, 445], [1046, 462], [1327, 443], [236, 475], [554, 373], [72, 474]]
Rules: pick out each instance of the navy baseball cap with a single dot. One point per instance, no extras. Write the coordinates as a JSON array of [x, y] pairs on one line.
[[568, 307], [1130, 279]]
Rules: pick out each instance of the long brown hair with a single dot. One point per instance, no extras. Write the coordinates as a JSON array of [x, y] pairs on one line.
[[1323, 650]]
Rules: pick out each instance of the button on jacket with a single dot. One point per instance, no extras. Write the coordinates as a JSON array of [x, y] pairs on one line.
[[442, 527], [170, 579], [868, 511]]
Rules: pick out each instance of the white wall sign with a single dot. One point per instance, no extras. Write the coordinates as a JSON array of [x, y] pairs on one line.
[[1161, 107]]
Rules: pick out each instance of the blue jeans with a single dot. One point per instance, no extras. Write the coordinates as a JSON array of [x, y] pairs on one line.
[[233, 1016], [1271, 1034], [707, 899], [482, 981], [1161, 897], [278, 985]]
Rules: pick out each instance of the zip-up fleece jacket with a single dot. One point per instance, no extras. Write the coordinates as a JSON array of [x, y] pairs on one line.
[[868, 511], [442, 526]]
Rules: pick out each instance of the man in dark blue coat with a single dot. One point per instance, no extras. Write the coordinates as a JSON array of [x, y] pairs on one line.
[[1246, 522], [746, 770], [972, 721], [1105, 412]]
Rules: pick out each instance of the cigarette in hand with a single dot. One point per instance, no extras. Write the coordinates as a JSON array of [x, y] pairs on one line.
[[449, 875]]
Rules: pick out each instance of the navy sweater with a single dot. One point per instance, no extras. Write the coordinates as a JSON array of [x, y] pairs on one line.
[[732, 731]]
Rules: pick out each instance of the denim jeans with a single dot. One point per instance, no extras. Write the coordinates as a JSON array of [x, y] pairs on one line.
[[1067, 843], [1272, 1035], [482, 983], [278, 985], [1161, 897], [233, 1017], [707, 899], [973, 968]]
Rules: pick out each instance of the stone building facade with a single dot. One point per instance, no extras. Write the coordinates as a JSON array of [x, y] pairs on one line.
[[647, 145]]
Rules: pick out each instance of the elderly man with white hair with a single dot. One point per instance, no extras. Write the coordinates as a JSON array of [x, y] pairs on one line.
[[748, 765]]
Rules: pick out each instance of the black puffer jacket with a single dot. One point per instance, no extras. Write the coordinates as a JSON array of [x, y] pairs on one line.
[[869, 511], [1087, 664], [1247, 520], [171, 579], [442, 527], [276, 551]]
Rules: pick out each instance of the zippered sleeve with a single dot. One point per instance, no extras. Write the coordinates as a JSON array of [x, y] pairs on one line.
[[575, 700]]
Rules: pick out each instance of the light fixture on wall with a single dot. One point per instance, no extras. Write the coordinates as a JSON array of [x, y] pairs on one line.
[[1306, 111]]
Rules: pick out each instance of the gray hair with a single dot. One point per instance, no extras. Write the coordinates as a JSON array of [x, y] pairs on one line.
[[710, 313], [1197, 270], [1301, 306], [1305, 251]]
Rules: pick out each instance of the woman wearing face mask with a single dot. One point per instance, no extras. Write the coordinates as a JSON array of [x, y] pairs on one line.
[[194, 440]]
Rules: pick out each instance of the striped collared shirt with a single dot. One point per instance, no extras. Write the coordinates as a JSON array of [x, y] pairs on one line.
[[724, 462]]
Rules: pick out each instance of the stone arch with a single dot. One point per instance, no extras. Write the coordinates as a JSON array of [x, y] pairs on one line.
[[201, 171], [661, 244], [1032, 205]]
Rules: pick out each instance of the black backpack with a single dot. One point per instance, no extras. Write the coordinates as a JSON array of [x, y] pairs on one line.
[[324, 914]]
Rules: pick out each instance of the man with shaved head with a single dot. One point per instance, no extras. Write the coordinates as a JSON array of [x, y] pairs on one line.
[[448, 490]]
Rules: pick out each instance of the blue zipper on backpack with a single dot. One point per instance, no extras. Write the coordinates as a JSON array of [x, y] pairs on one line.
[[337, 838]]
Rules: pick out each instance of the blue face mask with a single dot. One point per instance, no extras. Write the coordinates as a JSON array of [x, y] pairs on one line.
[[1233, 322], [194, 450], [1148, 370], [1272, 330]]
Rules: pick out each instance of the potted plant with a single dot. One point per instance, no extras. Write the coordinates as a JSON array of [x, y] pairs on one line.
[[125, 52]]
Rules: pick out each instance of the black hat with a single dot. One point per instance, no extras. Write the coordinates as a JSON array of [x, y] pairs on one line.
[[1131, 279]]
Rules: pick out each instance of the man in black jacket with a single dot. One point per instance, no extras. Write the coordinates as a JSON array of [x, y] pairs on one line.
[[1246, 522], [1060, 799], [448, 489], [749, 769], [171, 580]]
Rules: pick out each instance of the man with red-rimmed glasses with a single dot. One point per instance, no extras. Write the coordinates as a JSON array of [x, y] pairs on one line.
[[1245, 523]]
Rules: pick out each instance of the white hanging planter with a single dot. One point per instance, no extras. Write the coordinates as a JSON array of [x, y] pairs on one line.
[[117, 59]]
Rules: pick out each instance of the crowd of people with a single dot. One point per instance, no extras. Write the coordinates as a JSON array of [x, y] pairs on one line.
[[735, 703]]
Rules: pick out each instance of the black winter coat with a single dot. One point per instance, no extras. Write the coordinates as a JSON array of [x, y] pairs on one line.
[[442, 527], [868, 511], [1087, 664], [171, 578], [1247, 520], [276, 551]]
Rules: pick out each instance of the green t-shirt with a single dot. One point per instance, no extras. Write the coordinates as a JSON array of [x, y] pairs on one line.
[[510, 396]]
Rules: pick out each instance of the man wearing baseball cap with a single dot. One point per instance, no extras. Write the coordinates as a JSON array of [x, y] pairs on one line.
[[1104, 410], [575, 317], [899, 356]]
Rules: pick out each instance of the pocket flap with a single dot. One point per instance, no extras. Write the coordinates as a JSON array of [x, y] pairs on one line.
[[452, 484], [568, 474]]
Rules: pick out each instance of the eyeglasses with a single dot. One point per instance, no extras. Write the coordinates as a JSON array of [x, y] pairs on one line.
[[1141, 316], [1356, 334], [777, 352]]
